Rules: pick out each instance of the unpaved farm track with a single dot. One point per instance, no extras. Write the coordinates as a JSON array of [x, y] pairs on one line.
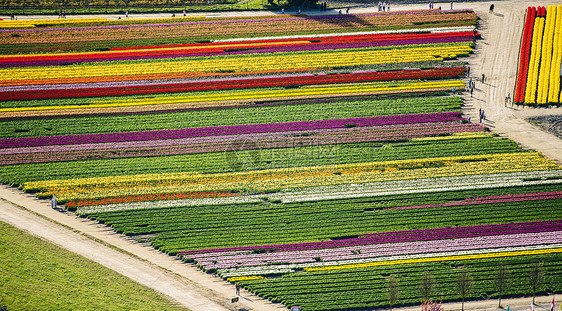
[[495, 56]]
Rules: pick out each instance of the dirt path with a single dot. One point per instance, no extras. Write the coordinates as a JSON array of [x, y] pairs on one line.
[[495, 56]]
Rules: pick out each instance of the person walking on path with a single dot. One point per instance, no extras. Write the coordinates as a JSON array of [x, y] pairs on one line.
[[237, 289], [483, 77], [54, 202]]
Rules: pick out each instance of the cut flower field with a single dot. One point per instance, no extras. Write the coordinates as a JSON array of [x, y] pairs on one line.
[[306, 166]]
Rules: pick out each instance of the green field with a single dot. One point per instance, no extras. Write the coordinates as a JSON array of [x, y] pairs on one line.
[[37, 275]]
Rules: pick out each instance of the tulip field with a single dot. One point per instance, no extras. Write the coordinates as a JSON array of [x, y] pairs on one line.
[[540, 59], [306, 158]]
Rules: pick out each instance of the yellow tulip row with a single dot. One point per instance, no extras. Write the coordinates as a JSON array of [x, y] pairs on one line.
[[534, 61], [549, 56], [438, 259], [257, 95], [554, 92], [77, 22], [32, 23], [241, 64], [546, 56], [460, 135], [288, 178], [244, 278]]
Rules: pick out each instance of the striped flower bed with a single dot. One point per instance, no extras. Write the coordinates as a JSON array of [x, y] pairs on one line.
[[304, 158]]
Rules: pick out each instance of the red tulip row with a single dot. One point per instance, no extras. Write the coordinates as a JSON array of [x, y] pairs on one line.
[[236, 84], [149, 197], [524, 55], [541, 11]]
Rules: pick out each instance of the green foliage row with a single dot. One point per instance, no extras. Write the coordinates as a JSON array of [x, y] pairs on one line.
[[202, 227], [366, 287]]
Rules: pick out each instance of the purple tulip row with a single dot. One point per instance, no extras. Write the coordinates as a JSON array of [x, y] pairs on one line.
[[227, 130], [225, 143], [400, 236], [233, 260], [487, 200], [258, 50]]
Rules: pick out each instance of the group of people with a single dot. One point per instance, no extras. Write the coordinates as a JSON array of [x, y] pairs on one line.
[[323, 7], [431, 6], [383, 6]]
